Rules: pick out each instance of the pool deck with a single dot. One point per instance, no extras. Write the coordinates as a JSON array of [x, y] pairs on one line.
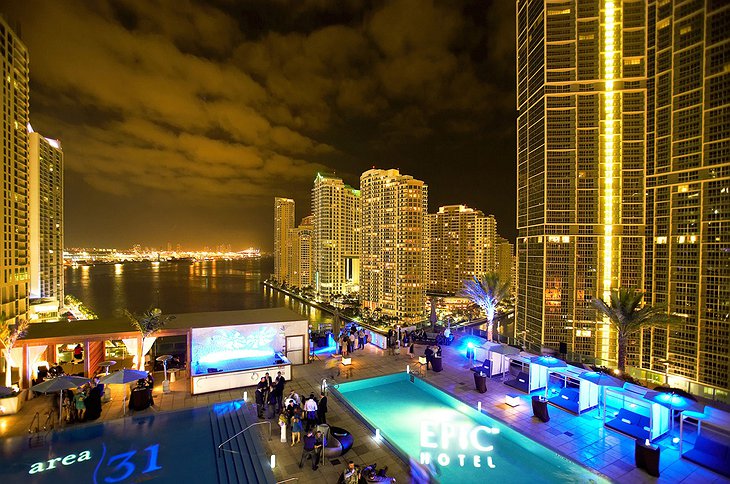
[[581, 438]]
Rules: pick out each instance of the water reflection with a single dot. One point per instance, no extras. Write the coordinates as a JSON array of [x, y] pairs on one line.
[[181, 287]]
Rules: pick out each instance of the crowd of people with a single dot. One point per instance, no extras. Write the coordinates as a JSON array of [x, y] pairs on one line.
[[82, 404], [350, 339]]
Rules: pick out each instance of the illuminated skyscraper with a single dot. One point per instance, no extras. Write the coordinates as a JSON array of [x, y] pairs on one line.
[[283, 223], [462, 243], [624, 176], [394, 209], [581, 97], [14, 256], [46, 219], [335, 236], [504, 252], [300, 253], [688, 189]]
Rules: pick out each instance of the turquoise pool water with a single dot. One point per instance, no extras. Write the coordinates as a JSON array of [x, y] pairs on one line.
[[456, 442]]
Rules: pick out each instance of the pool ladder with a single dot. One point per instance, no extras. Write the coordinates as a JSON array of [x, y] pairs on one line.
[[220, 447], [37, 437]]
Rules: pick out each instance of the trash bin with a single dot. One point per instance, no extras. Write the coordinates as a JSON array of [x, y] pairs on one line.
[[480, 381], [437, 364], [539, 408], [647, 457]]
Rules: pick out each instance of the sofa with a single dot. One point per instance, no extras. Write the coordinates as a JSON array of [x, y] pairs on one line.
[[568, 399], [631, 424], [710, 453], [521, 382]]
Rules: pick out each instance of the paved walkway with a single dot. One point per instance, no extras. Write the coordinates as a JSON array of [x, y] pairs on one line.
[[580, 438]]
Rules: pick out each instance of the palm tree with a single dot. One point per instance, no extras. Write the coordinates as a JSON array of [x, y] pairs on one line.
[[11, 330], [148, 323], [628, 316], [486, 292]]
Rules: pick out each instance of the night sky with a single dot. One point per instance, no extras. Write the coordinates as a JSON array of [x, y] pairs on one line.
[[180, 121]]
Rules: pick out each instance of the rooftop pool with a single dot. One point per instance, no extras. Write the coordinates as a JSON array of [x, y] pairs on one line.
[[160, 447], [456, 443]]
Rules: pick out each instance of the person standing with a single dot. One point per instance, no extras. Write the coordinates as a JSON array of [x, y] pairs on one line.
[[78, 353], [343, 345], [351, 343], [322, 409], [260, 401], [361, 339], [429, 355], [351, 474], [311, 448], [296, 430], [279, 388], [310, 408], [79, 403]]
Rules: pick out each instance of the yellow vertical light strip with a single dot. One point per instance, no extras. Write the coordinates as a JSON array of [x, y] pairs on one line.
[[610, 158]]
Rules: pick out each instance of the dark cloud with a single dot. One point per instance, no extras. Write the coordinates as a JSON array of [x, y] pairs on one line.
[[201, 112]]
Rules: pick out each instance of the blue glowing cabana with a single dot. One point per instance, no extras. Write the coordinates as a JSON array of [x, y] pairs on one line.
[[633, 414], [540, 369], [601, 380]]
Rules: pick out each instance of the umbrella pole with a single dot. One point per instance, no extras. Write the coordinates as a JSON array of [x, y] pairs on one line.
[[60, 407]]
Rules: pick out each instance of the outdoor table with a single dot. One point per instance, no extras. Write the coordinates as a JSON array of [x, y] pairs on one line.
[[647, 457], [540, 409], [480, 381], [437, 364]]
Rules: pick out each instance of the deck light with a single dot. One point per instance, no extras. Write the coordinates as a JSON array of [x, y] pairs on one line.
[[273, 460]]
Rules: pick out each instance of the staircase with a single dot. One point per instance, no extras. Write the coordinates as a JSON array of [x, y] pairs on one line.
[[244, 458]]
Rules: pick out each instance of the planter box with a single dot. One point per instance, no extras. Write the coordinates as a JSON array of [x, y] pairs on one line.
[[11, 405]]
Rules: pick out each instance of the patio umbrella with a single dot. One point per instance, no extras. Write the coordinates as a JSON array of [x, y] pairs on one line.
[[121, 377], [674, 402], [602, 380], [59, 384], [548, 362]]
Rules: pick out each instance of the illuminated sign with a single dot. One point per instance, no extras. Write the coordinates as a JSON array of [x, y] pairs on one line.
[[447, 443], [115, 468]]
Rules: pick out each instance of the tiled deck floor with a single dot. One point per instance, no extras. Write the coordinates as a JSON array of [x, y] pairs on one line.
[[581, 438]]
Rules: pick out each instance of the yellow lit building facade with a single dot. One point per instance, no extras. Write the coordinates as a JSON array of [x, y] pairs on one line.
[[283, 223], [394, 211], [335, 236], [14, 251], [300, 253]]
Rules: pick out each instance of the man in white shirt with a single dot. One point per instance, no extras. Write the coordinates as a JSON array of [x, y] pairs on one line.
[[310, 409]]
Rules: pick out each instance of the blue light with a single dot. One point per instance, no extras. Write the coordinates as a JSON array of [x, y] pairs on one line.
[[470, 345]]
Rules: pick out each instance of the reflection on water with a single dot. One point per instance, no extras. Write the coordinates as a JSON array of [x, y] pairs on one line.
[[182, 287]]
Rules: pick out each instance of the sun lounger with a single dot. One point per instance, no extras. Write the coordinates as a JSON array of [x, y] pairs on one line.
[[631, 424], [568, 399], [711, 454]]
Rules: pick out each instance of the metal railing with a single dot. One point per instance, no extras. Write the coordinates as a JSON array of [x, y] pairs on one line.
[[37, 421], [288, 480], [50, 422], [220, 447]]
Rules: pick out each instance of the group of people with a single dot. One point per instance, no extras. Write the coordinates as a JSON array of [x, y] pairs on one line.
[[82, 405], [430, 353], [270, 395], [349, 338], [304, 417]]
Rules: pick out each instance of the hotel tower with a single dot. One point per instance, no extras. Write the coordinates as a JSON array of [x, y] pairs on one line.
[[14, 252], [622, 176], [300, 253], [46, 225], [283, 223], [393, 234], [335, 236]]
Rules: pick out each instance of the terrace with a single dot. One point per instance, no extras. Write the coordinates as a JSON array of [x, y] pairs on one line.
[[581, 438]]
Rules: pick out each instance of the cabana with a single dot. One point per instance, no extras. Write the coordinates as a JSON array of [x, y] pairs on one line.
[[635, 416], [712, 447], [576, 395], [523, 381], [494, 357]]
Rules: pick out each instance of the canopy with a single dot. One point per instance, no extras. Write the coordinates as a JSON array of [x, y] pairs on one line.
[[548, 361], [601, 379], [59, 383], [124, 376], [505, 350]]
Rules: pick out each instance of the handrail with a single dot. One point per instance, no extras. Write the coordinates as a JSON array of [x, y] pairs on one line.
[[220, 447], [37, 419], [288, 480], [50, 420]]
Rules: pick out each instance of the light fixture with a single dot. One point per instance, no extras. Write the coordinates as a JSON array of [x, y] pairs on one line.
[[346, 361], [273, 460], [512, 400]]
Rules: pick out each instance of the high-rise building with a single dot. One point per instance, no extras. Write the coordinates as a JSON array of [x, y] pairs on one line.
[[461, 243], [46, 221], [283, 223], [300, 253], [14, 251], [624, 176], [504, 261], [581, 97], [335, 236], [394, 209], [688, 189]]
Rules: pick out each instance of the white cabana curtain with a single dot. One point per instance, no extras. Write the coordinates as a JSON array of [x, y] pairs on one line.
[[131, 344], [16, 355]]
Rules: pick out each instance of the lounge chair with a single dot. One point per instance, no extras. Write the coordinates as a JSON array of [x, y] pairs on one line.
[[710, 453], [568, 399], [521, 382], [631, 424]]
